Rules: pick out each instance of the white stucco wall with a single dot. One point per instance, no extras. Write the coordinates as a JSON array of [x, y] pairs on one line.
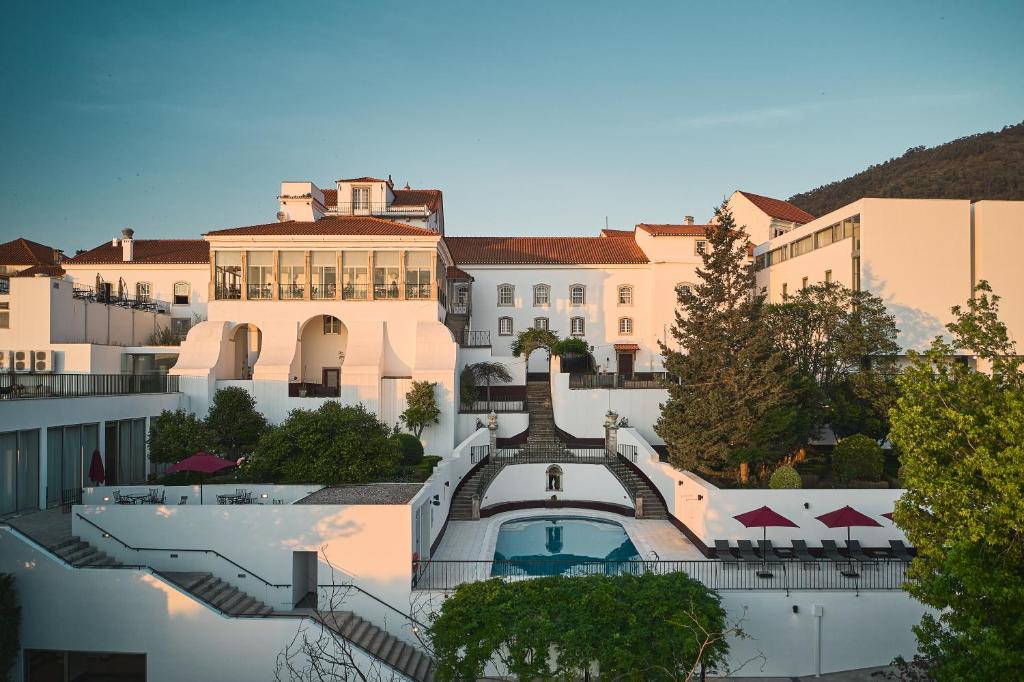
[[592, 482], [161, 278]]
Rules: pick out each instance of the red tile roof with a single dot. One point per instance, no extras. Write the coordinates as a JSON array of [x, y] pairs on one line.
[[627, 346], [665, 230], [362, 179], [543, 251], [331, 225], [48, 270], [23, 251], [417, 197], [617, 233], [330, 197], [150, 251], [455, 272], [777, 208]]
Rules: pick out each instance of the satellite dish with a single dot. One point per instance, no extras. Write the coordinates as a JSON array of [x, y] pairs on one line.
[[281, 216]]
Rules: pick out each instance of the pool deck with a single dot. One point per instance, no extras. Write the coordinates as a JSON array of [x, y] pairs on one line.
[[475, 540]]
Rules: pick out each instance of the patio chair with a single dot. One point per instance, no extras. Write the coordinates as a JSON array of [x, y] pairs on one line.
[[831, 552], [803, 554], [745, 548], [276, 501], [900, 551], [771, 552], [723, 552], [183, 500], [857, 552]]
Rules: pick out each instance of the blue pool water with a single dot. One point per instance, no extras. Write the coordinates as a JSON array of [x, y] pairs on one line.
[[558, 545]]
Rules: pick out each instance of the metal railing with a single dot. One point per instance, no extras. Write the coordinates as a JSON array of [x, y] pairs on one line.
[[478, 453], [417, 291], [5, 285], [616, 380], [291, 292], [549, 453], [473, 338], [379, 208], [627, 452], [23, 386], [227, 293], [459, 307], [773, 574], [86, 293], [257, 292], [69, 497], [308, 389], [355, 292], [493, 406], [386, 291], [321, 292]]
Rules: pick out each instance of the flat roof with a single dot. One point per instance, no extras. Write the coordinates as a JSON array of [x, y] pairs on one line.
[[367, 493]]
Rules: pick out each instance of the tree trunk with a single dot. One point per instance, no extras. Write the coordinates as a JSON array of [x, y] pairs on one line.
[[744, 472], [488, 394]]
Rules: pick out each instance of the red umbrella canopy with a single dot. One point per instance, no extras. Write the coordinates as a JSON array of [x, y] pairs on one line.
[[845, 517], [96, 473], [764, 517], [888, 515], [201, 462]]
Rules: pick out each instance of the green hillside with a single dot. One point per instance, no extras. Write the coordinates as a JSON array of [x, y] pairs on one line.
[[982, 166]]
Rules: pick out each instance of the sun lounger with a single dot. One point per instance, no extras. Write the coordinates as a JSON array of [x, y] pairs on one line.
[[899, 550], [802, 554], [831, 552], [745, 548], [723, 551], [855, 551]]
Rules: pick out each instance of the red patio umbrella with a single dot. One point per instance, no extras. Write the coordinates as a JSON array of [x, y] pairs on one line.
[[847, 516], [203, 463], [888, 515], [762, 518], [96, 473]]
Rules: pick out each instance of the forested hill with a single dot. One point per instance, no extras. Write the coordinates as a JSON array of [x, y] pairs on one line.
[[982, 166]]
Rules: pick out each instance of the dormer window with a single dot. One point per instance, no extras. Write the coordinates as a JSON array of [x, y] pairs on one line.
[[360, 198]]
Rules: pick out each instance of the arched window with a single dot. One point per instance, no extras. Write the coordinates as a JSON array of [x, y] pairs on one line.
[[541, 323], [685, 286], [504, 326], [332, 325], [626, 295], [182, 293], [553, 478], [506, 295], [541, 294], [625, 326], [143, 292], [577, 294], [577, 327]]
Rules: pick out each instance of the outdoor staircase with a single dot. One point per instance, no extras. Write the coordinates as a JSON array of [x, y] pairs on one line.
[[457, 323], [462, 504], [219, 594], [79, 553], [635, 484], [541, 437], [399, 655]]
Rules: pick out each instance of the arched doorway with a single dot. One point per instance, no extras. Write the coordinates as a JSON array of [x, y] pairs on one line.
[[320, 355], [247, 340]]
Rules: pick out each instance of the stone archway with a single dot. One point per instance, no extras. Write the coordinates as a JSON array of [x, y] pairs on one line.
[[320, 355], [247, 340]]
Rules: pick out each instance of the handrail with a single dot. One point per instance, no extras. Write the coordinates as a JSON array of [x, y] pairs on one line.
[[124, 544], [380, 601]]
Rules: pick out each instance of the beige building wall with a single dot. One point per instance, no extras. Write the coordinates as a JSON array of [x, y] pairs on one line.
[[998, 245]]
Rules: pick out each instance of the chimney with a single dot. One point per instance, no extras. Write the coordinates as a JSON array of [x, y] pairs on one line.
[[688, 220], [127, 245]]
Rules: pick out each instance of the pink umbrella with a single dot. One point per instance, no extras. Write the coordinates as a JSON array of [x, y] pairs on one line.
[[96, 473], [888, 515], [762, 518], [847, 516], [203, 463]]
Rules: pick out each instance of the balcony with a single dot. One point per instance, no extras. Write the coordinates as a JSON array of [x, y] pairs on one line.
[[417, 291], [25, 386], [228, 293], [382, 209], [355, 292], [308, 389], [256, 292], [87, 293], [291, 292], [322, 292], [472, 338], [616, 380]]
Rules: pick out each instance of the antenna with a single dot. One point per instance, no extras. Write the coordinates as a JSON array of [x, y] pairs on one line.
[[606, 222]]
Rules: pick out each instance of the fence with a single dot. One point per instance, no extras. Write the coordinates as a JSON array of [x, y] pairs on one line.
[[23, 386], [69, 497], [494, 406], [477, 453], [783, 575], [610, 380], [473, 338], [115, 297]]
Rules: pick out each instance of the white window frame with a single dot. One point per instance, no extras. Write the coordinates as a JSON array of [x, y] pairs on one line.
[[625, 326], [502, 322], [628, 290], [332, 325], [360, 198], [541, 289], [582, 290], [187, 294], [5, 315], [511, 289], [700, 247], [541, 323], [579, 322], [148, 296]]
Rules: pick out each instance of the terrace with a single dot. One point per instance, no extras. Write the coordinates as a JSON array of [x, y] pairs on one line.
[[21, 386]]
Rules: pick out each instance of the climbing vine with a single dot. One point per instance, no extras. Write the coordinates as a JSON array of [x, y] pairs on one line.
[[646, 627], [531, 339]]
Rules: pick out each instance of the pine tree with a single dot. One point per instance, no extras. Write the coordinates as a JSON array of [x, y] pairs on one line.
[[733, 405]]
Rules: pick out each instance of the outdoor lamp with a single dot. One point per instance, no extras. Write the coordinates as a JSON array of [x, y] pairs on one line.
[[700, 497], [436, 501], [807, 505], [264, 495]]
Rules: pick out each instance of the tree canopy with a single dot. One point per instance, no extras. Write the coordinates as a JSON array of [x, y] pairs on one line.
[[646, 627], [532, 338], [421, 407], [234, 422], [961, 437], [330, 445], [175, 435], [734, 402]]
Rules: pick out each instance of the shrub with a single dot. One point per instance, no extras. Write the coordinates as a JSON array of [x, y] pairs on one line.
[[10, 623], [427, 465], [234, 422], [173, 436], [572, 345], [412, 449], [163, 336], [857, 458], [422, 409], [784, 477], [331, 445]]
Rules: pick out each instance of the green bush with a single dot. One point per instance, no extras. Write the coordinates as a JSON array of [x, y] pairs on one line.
[[173, 436], [412, 448], [10, 623], [427, 465], [857, 458], [572, 345], [785, 477]]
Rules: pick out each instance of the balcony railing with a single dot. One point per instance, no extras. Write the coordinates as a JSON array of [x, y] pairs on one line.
[[23, 386], [87, 293], [323, 291], [472, 338], [380, 208], [355, 292], [617, 380], [5, 285], [228, 293], [484, 407], [259, 291], [386, 291], [773, 574], [308, 389], [291, 292], [417, 291]]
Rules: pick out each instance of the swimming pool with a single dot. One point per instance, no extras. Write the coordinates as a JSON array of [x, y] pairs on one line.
[[560, 545]]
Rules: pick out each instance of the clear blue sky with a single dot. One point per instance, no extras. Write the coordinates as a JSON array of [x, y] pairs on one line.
[[534, 118]]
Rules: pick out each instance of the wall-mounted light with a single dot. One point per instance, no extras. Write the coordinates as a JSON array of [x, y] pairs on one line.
[[700, 497], [106, 499], [264, 495], [796, 609], [106, 535], [807, 505], [436, 501], [447, 483], [680, 482]]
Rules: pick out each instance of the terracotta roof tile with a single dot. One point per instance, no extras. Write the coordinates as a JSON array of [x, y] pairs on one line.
[[331, 225], [627, 346], [665, 230], [777, 208], [543, 251], [23, 251], [455, 272], [617, 233], [48, 270], [417, 197], [185, 251], [362, 179], [330, 197]]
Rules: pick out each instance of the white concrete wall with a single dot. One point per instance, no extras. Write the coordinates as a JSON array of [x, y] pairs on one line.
[[135, 611], [104, 495], [509, 423], [592, 482]]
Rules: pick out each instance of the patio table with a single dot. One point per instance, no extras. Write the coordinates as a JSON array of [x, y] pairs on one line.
[[233, 498], [135, 498]]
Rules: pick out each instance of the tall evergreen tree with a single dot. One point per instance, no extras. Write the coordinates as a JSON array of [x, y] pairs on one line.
[[734, 404]]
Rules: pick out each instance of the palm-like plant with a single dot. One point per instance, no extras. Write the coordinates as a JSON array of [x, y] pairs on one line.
[[486, 372]]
